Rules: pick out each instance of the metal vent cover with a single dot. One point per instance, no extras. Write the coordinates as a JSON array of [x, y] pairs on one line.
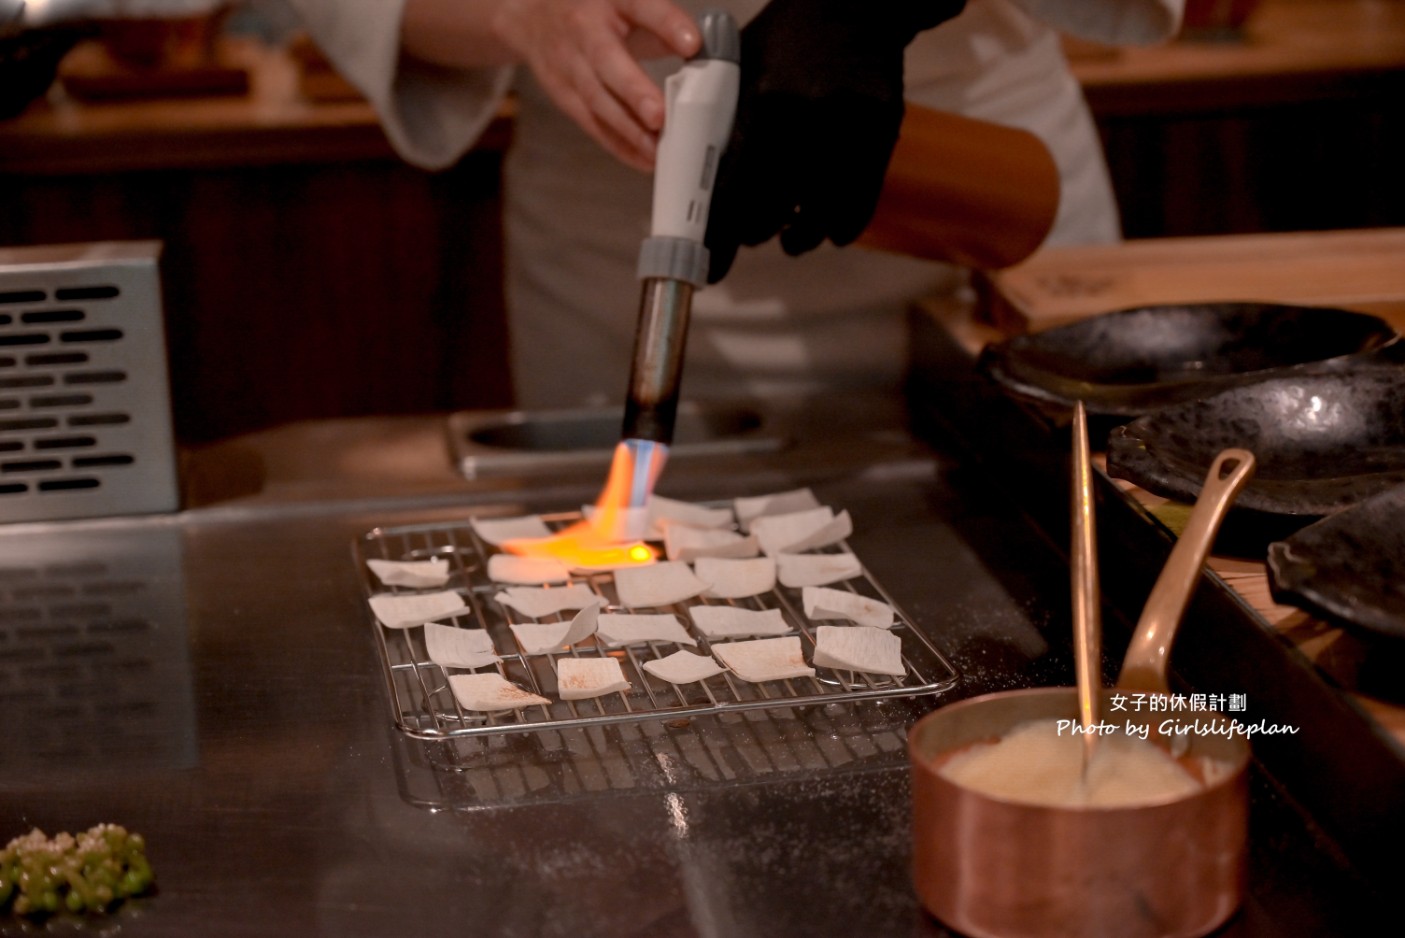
[[85, 411]]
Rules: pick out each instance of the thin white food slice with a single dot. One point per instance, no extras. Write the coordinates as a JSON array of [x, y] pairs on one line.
[[683, 667], [797, 570], [684, 542], [617, 628], [834, 532], [510, 568], [821, 602], [873, 651], [488, 690], [657, 584], [543, 638], [498, 531], [451, 647], [622, 524], [541, 601], [730, 578], [665, 512], [776, 503], [764, 659], [413, 573], [801, 530], [731, 622], [580, 678], [403, 610]]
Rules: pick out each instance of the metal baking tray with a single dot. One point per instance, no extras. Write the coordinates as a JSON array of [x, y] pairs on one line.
[[423, 707]]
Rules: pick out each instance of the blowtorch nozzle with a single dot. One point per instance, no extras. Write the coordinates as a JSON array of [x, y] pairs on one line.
[[651, 407]]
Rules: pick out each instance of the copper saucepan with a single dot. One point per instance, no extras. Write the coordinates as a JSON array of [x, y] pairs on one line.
[[995, 868]]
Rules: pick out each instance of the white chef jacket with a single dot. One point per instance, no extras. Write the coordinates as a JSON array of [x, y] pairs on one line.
[[575, 216]]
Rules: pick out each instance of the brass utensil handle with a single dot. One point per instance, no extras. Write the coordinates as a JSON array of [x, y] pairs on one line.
[[1087, 623], [1149, 653]]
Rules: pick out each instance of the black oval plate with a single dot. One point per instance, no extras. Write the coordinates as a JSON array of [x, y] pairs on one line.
[[1323, 442], [1135, 361], [1349, 567]]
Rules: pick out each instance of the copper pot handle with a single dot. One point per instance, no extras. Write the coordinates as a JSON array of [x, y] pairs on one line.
[[1144, 668]]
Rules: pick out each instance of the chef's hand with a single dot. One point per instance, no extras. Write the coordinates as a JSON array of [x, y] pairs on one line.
[[818, 116], [586, 53]]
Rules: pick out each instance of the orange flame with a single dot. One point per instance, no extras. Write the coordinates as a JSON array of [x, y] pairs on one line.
[[610, 537]]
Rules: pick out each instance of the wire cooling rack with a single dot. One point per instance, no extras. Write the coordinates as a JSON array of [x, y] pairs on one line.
[[424, 707]]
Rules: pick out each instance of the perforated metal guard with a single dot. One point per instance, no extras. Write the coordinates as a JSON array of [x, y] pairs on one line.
[[85, 415]]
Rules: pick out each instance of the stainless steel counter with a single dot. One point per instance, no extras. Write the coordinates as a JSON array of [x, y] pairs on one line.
[[210, 680]]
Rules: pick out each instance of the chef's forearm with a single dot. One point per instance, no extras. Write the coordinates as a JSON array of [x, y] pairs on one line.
[[458, 33]]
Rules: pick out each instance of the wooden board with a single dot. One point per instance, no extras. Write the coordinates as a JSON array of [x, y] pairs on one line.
[[1361, 270], [89, 73]]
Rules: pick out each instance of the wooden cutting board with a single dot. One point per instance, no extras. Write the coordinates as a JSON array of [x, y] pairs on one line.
[[1359, 269]]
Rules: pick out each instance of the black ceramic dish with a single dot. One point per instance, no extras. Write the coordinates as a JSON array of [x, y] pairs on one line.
[[1349, 567], [1323, 442], [1136, 361]]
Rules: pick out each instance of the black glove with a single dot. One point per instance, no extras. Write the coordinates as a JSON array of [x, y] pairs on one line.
[[818, 115]]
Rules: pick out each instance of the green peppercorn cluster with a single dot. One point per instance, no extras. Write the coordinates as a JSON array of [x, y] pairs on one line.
[[87, 872]]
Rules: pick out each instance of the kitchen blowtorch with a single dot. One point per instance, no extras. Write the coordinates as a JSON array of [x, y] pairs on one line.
[[700, 101], [957, 189]]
